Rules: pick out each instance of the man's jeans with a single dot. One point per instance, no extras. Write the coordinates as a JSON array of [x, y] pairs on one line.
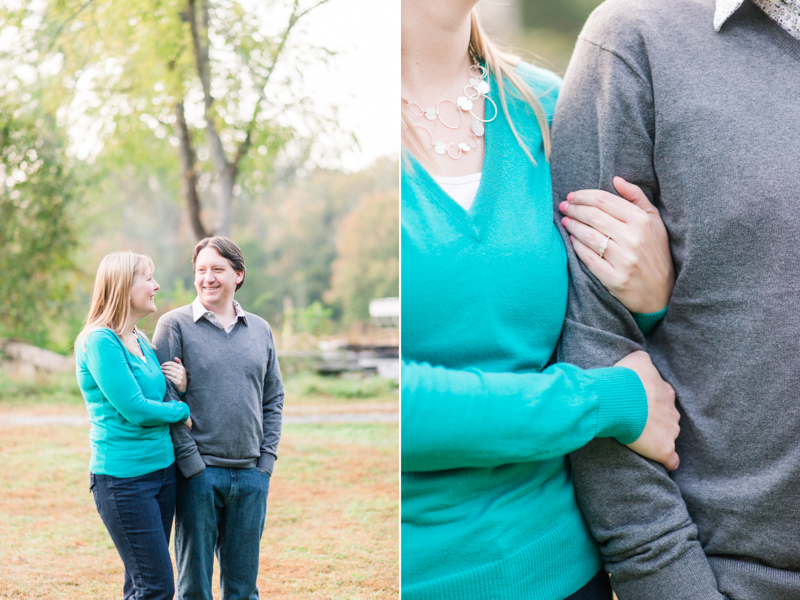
[[137, 512], [220, 510]]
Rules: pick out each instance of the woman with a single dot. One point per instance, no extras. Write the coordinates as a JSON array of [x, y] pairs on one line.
[[132, 465], [488, 506]]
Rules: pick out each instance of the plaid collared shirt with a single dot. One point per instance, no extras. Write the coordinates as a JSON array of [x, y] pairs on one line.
[[199, 311], [785, 13]]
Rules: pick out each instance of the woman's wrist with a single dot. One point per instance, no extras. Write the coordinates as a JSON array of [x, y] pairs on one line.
[[648, 321]]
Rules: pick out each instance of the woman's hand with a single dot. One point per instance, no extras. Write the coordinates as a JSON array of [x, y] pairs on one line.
[[188, 422], [624, 243], [176, 373], [657, 441]]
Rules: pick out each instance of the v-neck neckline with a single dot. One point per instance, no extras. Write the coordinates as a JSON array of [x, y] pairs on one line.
[[475, 220], [141, 358]]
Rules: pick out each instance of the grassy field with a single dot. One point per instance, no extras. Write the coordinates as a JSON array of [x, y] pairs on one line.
[[332, 522]]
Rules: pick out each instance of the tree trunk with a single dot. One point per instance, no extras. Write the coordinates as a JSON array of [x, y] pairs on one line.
[[188, 173], [225, 183]]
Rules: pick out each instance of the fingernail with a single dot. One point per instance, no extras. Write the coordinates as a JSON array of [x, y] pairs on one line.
[[618, 177], [562, 207], [564, 221], [569, 196], [571, 238]]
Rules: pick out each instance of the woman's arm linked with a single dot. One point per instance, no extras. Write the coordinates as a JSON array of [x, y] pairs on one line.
[[468, 418], [107, 363], [624, 243]]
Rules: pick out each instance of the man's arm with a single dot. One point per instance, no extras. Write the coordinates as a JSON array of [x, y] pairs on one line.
[[605, 126], [272, 407], [169, 345]]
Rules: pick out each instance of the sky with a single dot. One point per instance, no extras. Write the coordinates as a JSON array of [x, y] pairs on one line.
[[364, 80]]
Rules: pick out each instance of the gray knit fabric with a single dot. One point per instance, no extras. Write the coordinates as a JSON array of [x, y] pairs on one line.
[[708, 124], [235, 391]]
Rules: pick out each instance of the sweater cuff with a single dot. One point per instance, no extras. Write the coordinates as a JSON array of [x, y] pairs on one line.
[[622, 407], [266, 462], [185, 413], [648, 321], [688, 578], [191, 465]]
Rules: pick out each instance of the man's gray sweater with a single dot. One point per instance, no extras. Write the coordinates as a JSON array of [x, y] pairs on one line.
[[235, 391], [708, 124]]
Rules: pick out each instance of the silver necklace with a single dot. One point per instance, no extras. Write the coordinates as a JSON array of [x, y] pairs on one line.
[[465, 103]]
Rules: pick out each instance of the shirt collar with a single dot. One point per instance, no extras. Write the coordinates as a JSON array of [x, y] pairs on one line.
[[785, 12], [723, 11], [199, 311]]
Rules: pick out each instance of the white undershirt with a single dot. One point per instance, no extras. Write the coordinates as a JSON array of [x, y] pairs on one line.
[[461, 189]]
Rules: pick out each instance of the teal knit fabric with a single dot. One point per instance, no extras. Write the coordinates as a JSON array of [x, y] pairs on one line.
[[124, 396], [488, 508]]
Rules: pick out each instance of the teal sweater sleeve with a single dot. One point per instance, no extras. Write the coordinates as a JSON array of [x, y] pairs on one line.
[[648, 321], [106, 361], [455, 419]]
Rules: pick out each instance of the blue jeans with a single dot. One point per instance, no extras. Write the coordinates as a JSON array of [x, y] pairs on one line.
[[137, 512], [220, 511], [598, 588]]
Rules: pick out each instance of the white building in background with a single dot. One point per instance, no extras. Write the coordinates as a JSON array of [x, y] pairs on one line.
[[385, 311]]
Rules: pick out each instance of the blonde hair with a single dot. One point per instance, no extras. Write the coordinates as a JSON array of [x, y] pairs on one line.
[[502, 66], [111, 304]]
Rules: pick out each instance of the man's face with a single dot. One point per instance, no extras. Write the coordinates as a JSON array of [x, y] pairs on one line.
[[214, 279]]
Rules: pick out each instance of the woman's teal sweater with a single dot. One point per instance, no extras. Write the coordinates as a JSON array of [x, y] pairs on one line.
[[124, 396], [488, 508]]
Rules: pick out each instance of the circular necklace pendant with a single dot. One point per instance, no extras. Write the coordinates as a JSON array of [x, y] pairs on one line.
[[462, 104]]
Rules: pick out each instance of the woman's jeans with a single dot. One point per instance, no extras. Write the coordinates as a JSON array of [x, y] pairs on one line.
[[220, 510], [598, 588], [137, 512]]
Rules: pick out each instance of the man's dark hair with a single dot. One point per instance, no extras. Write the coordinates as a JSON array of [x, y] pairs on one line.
[[227, 249]]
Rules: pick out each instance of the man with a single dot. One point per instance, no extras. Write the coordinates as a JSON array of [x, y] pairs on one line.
[[697, 102], [235, 394]]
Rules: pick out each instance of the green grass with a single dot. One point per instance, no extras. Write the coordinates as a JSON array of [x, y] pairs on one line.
[[332, 525], [308, 384], [57, 389], [62, 389]]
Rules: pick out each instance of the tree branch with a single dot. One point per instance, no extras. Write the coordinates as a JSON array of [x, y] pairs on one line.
[[293, 19], [58, 31]]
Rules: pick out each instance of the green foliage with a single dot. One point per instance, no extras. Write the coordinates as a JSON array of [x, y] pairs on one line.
[[124, 67], [59, 388], [113, 72], [550, 31], [289, 238], [314, 319], [39, 201], [567, 16], [368, 265]]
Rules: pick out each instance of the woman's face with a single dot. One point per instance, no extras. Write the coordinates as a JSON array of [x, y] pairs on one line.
[[143, 292]]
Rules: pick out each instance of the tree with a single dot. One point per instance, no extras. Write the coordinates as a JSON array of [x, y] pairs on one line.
[[368, 264], [218, 79], [289, 238], [38, 223]]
